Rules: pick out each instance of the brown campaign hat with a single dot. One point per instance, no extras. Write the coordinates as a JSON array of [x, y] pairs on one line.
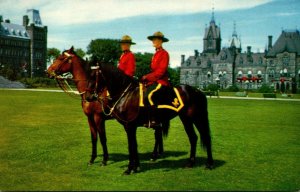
[[159, 35], [127, 39]]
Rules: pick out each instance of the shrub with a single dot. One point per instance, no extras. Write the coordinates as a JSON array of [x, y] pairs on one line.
[[38, 82], [212, 87], [233, 88], [265, 89]]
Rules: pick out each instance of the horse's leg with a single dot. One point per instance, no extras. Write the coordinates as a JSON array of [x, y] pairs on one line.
[[158, 146], [100, 122], [134, 162], [203, 127], [94, 139], [189, 129]]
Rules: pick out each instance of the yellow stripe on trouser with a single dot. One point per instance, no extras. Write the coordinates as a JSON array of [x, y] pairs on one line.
[[151, 93], [141, 96]]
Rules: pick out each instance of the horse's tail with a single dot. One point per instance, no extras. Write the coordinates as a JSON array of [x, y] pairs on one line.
[[200, 118], [165, 128]]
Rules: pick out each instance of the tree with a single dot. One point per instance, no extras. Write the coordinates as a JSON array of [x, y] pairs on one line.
[[143, 61], [52, 53], [105, 50], [174, 75], [80, 52]]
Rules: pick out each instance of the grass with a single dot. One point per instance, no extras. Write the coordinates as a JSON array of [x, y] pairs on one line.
[[45, 145]]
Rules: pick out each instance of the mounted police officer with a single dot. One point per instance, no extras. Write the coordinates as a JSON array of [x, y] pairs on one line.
[[157, 79], [127, 59]]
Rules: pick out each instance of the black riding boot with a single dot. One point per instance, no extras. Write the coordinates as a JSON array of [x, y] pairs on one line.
[[153, 123]]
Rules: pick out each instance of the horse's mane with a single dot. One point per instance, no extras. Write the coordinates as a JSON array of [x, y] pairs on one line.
[[116, 78], [86, 65]]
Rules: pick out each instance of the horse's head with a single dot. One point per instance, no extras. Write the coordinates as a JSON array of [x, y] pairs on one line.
[[62, 64], [94, 86]]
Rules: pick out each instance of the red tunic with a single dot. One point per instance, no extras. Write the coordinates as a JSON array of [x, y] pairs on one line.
[[159, 67], [127, 63]]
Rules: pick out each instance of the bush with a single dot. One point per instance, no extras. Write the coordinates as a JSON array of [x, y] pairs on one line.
[[269, 95], [212, 87], [265, 89], [38, 82], [233, 88]]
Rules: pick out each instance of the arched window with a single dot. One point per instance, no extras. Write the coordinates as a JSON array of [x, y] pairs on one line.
[[259, 74], [240, 73], [220, 73], [249, 74], [209, 74], [271, 73]]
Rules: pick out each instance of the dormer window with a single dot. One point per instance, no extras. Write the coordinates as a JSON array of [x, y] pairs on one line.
[[286, 60]]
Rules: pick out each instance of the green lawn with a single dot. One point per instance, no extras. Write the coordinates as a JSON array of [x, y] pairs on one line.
[[45, 145]]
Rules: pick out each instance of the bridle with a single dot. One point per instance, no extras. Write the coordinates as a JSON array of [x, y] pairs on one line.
[[62, 79], [68, 59]]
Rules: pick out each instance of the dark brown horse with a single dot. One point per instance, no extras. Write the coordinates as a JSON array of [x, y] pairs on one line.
[[126, 109], [69, 61]]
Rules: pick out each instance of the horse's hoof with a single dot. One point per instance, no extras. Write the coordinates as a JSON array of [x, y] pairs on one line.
[[190, 164], [136, 170], [209, 166], [127, 172], [90, 163], [153, 158], [103, 163]]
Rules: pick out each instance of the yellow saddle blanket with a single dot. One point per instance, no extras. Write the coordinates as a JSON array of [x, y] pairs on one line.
[[171, 100]]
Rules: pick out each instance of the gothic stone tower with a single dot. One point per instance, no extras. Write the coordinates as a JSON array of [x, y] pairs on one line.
[[38, 45], [212, 39]]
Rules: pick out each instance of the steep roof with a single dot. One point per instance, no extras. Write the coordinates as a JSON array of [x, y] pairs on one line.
[[215, 30], [198, 62], [246, 59], [13, 30], [34, 17], [289, 41]]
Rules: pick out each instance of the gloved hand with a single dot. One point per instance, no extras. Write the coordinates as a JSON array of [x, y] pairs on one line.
[[144, 78]]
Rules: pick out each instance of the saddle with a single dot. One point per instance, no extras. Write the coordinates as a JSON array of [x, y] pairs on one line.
[[162, 97]]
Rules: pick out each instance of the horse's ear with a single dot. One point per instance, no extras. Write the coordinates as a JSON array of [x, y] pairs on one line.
[[72, 49]]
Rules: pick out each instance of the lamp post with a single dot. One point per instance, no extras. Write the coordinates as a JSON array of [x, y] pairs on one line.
[[218, 84], [233, 50]]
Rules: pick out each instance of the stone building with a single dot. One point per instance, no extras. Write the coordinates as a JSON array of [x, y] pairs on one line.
[[278, 66], [23, 48]]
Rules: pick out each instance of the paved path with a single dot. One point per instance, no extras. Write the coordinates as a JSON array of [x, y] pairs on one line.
[[253, 98], [213, 97], [5, 83]]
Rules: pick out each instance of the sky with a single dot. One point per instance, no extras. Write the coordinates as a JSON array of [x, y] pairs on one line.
[[77, 22]]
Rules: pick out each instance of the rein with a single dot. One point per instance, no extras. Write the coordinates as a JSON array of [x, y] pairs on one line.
[[111, 109], [63, 83]]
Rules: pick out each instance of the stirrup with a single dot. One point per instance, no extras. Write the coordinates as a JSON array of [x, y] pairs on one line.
[[153, 124]]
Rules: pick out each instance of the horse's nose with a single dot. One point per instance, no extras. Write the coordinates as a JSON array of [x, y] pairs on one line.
[[50, 73]]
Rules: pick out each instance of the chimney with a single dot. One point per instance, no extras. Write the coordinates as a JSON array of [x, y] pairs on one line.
[[270, 42], [248, 50], [25, 20], [1, 18], [7, 21], [182, 59], [196, 53]]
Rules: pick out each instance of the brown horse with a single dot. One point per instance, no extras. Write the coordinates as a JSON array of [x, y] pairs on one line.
[[125, 104], [69, 61]]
